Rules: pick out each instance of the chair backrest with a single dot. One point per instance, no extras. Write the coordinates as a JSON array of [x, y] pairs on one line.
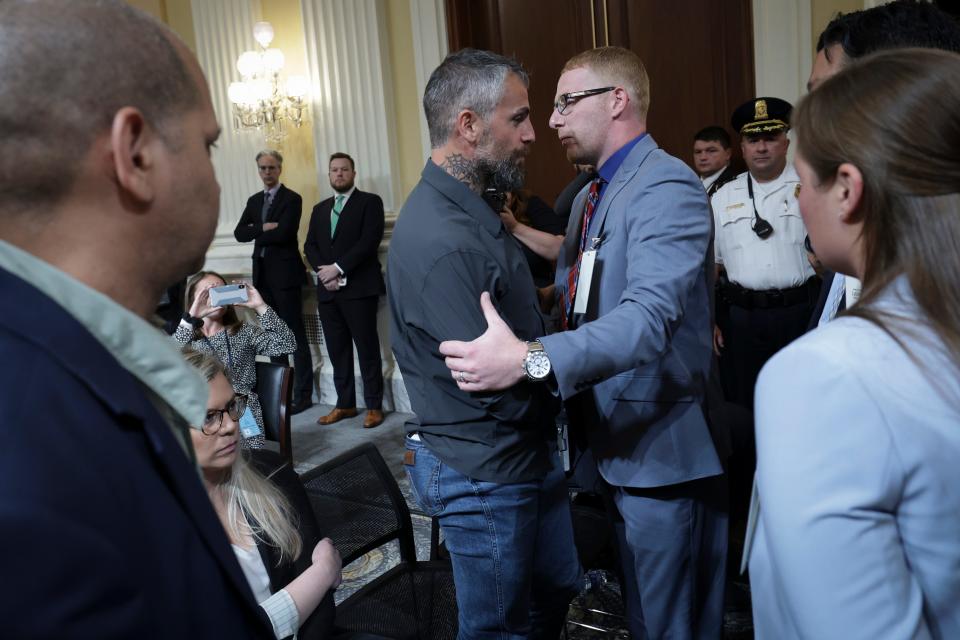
[[275, 389], [358, 504]]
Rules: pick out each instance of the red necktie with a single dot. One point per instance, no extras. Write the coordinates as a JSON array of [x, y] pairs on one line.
[[593, 196]]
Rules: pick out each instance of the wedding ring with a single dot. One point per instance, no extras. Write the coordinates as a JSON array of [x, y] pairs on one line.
[[460, 378]]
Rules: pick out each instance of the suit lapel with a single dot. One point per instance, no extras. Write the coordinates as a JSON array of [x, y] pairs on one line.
[[182, 478], [623, 176]]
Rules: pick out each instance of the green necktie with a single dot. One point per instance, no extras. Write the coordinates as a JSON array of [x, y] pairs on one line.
[[335, 214]]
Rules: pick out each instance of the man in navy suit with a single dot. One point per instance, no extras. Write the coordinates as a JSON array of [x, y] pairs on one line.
[[341, 246], [633, 279], [107, 197], [271, 220]]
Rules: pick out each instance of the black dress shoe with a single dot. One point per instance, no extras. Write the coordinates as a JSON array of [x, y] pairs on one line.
[[300, 407]]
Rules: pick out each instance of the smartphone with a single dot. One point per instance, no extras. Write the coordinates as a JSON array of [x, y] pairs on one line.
[[228, 294], [495, 198]]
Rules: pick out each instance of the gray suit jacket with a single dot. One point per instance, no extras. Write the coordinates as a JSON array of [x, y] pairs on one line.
[[858, 470], [637, 363]]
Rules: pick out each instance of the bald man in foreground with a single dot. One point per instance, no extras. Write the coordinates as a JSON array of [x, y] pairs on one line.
[[107, 196]]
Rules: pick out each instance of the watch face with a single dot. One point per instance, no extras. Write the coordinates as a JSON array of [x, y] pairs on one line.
[[538, 365]]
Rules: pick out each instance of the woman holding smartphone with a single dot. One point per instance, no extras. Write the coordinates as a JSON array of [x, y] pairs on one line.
[[220, 332]]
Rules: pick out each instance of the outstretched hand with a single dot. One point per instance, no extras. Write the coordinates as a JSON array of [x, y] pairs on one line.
[[492, 362]]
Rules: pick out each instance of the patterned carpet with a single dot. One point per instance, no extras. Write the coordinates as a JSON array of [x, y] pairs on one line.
[[597, 612]]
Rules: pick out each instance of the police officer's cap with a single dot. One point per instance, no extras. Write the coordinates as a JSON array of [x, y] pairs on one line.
[[761, 115]]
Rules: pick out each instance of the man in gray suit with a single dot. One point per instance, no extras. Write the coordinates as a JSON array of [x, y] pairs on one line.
[[633, 277]]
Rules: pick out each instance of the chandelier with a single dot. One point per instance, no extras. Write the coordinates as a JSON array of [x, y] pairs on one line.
[[261, 101]]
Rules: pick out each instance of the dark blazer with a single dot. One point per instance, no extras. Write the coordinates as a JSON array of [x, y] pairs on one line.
[[825, 285], [107, 531], [728, 174], [354, 246], [319, 624], [282, 266]]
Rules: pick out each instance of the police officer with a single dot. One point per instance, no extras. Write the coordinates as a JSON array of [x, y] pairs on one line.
[[768, 290]]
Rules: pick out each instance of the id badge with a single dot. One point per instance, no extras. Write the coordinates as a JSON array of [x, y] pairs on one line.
[[852, 288], [248, 425], [587, 261]]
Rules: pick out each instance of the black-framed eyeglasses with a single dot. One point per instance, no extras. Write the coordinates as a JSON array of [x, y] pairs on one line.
[[213, 422], [567, 100]]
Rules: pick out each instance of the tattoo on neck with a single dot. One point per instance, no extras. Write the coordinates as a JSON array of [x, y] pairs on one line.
[[464, 171]]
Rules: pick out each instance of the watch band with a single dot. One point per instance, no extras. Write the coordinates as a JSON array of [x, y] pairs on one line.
[[196, 323]]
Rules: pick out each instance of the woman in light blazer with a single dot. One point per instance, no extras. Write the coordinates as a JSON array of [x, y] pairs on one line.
[[858, 423]]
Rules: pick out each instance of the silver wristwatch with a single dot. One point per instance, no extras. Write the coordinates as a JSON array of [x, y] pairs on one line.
[[536, 364]]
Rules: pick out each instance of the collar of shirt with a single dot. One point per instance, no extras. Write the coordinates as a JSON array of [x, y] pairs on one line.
[[470, 202], [612, 165], [272, 192], [346, 195], [139, 347], [710, 179], [786, 178]]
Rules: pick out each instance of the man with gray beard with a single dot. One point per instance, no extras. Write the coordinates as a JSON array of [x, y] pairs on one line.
[[483, 463]]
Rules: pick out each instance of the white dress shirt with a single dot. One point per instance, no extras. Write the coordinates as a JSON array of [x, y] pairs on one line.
[[280, 607]]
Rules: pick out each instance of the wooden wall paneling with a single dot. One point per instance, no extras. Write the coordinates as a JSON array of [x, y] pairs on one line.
[[473, 23], [699, 55], [734, 81], [543, 50], [699, 58]]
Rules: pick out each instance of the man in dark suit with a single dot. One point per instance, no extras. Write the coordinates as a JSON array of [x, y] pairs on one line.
[[106, 529], [711, 158], [271, 220], [633, 280], [342, 243]]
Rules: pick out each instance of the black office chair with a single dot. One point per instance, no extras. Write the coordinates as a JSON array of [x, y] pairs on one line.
[[361, 508], [275, 389]]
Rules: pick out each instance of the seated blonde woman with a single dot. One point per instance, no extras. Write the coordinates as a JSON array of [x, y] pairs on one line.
[[291, 571], [234, 342]]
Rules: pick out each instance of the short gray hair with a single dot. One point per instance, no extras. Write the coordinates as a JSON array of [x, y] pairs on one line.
[[468, 79], [66, 69], [273, 153]]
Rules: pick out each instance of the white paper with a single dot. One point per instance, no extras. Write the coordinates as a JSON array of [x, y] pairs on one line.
[[584, 280]]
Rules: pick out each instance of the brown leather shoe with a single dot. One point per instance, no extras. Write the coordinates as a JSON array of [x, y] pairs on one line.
[[337, 415], [374, 419]]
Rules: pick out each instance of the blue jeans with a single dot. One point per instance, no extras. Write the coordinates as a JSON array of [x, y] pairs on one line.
[[514, 562]]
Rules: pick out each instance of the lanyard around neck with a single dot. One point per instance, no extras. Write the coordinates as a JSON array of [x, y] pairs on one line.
[[226, 338]]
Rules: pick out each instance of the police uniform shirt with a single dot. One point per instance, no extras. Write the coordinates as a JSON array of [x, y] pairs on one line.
[[777, 262]]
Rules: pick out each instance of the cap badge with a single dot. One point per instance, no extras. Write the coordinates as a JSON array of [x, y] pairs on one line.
[[760, 110]]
